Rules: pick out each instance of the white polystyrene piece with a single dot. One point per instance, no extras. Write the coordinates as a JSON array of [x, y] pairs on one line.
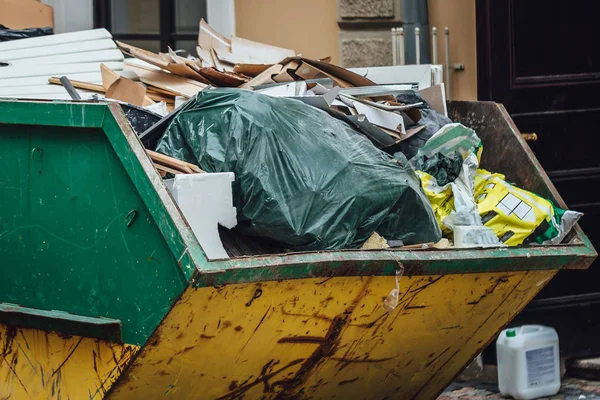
[[66, 48], [206, 200], [529, 362], [101, 56], [23, 71], [51, 40]]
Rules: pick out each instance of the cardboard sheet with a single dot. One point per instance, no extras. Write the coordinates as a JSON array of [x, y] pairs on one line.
[[435, 96], [128, 91], [384, 119], [258, 53], [222, 78], [108, 76], [170, 83], [251, 70], [208, 38], [164, 61], [264, 77]]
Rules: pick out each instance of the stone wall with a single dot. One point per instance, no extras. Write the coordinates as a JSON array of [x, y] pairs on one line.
[[365, 38]]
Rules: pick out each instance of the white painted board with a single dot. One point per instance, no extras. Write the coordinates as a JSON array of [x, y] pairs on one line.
[[51, 40]]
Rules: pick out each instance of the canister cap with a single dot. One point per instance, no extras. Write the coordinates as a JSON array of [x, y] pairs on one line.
[[511, 333]]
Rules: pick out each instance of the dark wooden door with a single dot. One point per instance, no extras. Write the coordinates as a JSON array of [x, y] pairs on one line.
[[541, 59]]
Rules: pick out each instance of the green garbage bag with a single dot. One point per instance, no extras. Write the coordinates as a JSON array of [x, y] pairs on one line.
[[302, 177]]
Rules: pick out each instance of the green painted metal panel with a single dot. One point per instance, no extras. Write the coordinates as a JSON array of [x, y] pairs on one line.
[[75, 233]]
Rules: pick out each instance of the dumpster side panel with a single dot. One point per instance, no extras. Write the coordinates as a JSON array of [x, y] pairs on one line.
[[75, 234], [313, 338], [46, 365]]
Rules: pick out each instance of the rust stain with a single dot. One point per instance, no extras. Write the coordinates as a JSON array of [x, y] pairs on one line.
[[67, 358], [489, 291], [227, 324], [238, 328], [302, 339], [326, 349], [257, 326], [264, 377], [342, 383]]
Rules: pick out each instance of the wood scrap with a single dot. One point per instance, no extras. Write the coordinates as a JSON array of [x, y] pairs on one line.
[[166, 170], [181, 166], [93, 87]]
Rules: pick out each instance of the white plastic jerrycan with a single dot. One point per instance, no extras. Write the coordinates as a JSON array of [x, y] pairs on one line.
[[528, 362]]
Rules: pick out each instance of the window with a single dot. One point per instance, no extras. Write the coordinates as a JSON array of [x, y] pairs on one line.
[[152, 24]]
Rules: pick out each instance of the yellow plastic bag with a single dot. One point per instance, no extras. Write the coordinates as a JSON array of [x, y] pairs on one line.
[[516, 215]]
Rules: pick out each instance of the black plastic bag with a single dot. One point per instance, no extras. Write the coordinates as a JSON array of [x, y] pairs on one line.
[[433, 122], [303, 177], [7, 34]]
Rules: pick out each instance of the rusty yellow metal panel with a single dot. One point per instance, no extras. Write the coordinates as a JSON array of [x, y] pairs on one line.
[[321, 338], [46, 365]]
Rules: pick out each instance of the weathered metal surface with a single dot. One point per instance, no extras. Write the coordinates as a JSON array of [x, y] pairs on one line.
[[78, 218], [107, 329], [88, 227], [43, 365], [325, 338]]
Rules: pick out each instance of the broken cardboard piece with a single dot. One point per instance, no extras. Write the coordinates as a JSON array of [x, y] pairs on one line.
[[127, 91], [108, 76], [435, 96], [346, 78], [223, 78], [220, 65], [384, 119], [170, 83], [307, 72], [263, 78], [208, 38], [206, 201], [205, 57], [164, 61], [251, 70]]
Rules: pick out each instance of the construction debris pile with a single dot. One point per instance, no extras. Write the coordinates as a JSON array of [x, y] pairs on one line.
[[322, 157]]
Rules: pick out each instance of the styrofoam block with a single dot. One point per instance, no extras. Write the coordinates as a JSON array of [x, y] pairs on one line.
[[206, 200]]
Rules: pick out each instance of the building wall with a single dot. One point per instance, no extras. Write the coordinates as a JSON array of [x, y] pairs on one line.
[[313, 31], [459, 17], [308, 27]]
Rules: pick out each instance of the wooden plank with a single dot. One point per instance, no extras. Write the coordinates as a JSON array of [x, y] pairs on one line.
[[94, 87], [173, 162]]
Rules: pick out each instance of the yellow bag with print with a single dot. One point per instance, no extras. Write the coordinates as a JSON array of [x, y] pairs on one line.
[[517, 216]]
